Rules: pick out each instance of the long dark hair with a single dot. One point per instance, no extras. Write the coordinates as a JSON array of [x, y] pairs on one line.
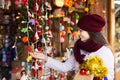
[[98, 38]]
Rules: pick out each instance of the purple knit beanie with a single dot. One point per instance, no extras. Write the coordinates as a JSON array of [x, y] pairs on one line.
[[91, 23]]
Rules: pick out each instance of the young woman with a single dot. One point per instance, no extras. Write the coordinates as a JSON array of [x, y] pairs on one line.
[[91, 43]]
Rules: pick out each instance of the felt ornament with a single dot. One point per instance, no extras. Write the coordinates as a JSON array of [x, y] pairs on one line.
[[72, 23], [86, 9], [39, 48], [62, 40], [75, 34], [62, 33], [25, 39], [24, 30], [34, 72], [39, 32], [23, 63], [62, 22], [48, 22], [47, 27], [68, 30], [28, 48], [58, 13], [77, 16], [90, 1], [39, 12], [43, 40], [24, 2], [32, 21], [27, 67], [68, 3], [29, 14], [49, 33], [29, 58], [50, 78], [48, 6], [61, 27], [36, 36], [59, 3], [16, 2]]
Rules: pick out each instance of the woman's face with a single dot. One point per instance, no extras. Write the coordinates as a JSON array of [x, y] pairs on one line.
[[83, 35]]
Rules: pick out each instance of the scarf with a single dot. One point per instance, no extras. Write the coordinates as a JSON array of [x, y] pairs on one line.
[[89, 46]]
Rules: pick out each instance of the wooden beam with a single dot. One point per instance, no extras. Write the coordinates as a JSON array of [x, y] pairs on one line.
[[111, 23]]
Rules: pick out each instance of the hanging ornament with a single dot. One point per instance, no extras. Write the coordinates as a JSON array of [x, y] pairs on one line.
[[29, 58], [77, 16], [25, 39], [68, 3], [39, 12], [86, 9], [49, 33], [72, 23], [29, 14], [58, 13], [16, 2], [50, 78], [36, 36], [62, 22], [34, 72], [90, 1], [23, 63], [48, 6], [68, 30], [83, 72], [29, 48], [39, 48], [24, 30], [27, 67], [24, 2], [47, 27], [75, 34], [62, 33], [62, 40], [59, 3], [39, 32], [61, 27], [32, 21]]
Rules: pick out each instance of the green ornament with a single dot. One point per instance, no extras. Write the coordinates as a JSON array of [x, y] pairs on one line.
[[77, 16]]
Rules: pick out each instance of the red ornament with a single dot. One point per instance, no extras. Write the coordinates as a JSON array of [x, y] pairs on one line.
[[24, 2], [35, 9], [62, 22], [39, 48], [40, 68], [83, 72], [39, 33], [25, 39], [50, 78], [16, 2], [38, 1], [34, 72], [29, 48], [39, 12], [48, 22], [34, 38]]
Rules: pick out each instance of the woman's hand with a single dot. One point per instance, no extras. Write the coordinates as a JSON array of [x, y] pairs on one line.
[[39, 55]]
